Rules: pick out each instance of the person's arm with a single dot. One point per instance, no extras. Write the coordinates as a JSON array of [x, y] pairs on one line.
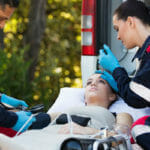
[[7, 118], [43, 120], [77, 129], [134, 91], [14, 120], [123, 124], [24, 119], [124, 119]]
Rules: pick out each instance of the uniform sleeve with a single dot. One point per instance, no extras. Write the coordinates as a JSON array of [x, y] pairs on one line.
[[130, 96], [42, 120], [7, 118]]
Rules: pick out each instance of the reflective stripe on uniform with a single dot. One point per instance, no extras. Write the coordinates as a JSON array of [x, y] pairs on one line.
[[139, 130], [140, 90]]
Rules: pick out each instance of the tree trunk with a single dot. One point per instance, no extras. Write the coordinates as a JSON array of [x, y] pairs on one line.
[[37, 19], [1, 39]]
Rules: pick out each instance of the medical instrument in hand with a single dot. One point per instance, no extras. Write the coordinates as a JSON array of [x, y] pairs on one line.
[[34, 109], [12, 101], [108, 61], [24, 125]]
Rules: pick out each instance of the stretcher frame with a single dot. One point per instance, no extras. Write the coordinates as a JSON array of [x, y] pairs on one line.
[[117, 142]]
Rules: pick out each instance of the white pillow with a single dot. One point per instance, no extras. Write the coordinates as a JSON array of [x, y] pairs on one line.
[[70, 97], [67, 98]]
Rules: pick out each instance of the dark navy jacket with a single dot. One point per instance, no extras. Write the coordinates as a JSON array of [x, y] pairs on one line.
[[7, 119], [136, 91]]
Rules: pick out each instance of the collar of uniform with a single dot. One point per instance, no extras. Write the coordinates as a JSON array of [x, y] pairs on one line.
[[141, 51]]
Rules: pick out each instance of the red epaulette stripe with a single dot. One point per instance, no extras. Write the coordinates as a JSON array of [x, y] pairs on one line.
[[148, 49]]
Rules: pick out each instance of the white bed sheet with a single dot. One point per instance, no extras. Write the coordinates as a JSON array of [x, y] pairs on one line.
[[71, 97]]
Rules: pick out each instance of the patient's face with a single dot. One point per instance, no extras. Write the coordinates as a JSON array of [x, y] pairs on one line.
[[98, 91]]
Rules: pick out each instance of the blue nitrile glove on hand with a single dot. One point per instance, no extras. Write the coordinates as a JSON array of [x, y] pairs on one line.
[[109, 78], [107, 59], [12, 101], [22, 118]]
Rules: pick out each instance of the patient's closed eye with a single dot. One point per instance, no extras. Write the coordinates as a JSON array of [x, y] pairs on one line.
[[89, 82], [102, 81], [99, 81]]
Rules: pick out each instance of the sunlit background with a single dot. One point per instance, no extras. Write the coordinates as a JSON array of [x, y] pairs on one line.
[[41, 51]]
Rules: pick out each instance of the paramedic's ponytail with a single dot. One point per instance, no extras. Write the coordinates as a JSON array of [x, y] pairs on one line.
[[134, 8]]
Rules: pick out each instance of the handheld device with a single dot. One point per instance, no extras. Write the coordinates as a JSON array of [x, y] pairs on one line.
[[33, 110]]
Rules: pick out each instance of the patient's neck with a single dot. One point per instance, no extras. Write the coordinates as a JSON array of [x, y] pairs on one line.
[[96, 104]]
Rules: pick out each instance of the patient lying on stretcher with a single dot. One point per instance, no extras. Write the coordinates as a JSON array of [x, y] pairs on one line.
[[99, 94], [95, 115]]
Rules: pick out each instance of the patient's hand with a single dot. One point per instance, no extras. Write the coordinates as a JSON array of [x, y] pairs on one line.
[[77, 129]]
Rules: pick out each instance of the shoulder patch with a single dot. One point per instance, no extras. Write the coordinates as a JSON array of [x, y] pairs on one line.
[[148, 49]]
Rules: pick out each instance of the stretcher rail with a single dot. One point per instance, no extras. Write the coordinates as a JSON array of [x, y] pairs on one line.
[[116, 142]]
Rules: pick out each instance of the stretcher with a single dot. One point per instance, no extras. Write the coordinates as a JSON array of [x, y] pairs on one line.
[[75, 142], [112, 143], [77, 95], [117, 142], [49, 139]]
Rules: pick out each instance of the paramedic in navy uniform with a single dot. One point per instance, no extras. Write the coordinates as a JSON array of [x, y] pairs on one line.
[[132, 22], [10, 119]]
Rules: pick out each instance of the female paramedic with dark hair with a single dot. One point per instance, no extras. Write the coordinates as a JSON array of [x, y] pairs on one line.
[[132, 22]]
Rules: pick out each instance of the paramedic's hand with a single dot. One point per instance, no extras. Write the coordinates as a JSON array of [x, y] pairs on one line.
[[107, 59], [12, 101], [109, 78], [23, 117]]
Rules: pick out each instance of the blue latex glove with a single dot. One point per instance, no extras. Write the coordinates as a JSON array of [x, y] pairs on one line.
[[109, 78], [22, 118], [107, 59], [12, 101]]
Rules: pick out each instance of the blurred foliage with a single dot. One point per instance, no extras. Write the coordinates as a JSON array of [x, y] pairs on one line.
[[59, 59]]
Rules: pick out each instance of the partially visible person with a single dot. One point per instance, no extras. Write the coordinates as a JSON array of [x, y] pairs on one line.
[[131, 20], [10, 119], [141, 132]]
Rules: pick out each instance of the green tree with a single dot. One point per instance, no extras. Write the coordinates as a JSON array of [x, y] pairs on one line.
[[58, 51]]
